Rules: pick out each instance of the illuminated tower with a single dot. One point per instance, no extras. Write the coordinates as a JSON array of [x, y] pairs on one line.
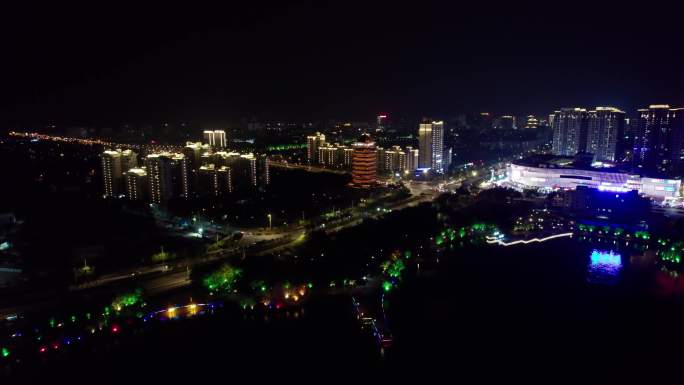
[[111, 173], [180, 175], [193, 154], [411, 159], [658, 142], [313, 142], [531, 123], [431, 145], [327, 155], [380, 159], [220, 139], [264, 171], [114, 164], [136, 184], [364, 163], [569, 131], [129, 160], [167, 176], [209, 138], [159, 178], [215, 181], [193, 158], [347, 155], [605, 129], [381, 121]]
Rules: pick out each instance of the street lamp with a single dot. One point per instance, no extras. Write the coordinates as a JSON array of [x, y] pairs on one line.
[[270, 223]]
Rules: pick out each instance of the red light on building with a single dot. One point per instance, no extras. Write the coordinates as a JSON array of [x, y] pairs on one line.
[[364, 163]]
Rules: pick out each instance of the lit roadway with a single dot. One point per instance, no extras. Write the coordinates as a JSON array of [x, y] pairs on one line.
[[163, 277], [274, 240], [295, 166]]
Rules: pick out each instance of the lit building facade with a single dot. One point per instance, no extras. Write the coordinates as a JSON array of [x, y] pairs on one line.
[[448, 155], [506, 123], [193, 153], [381, 121], [216, 181], [180, 174], [531, 122], [264, 170], [328, 156], [412, 157], [431, 145], [347, 155], [115, 163], [364, 163], [658, 141], [380, 159], [313, 143], [167, 176], [136, 184], [220, 139], [225, 172], [246, 167], [209, 138], [569, 131], [335, 155], [129, 160], [215, 138], [605, 129], [394, 160], [159, 178], [111, 173], [542, 176]]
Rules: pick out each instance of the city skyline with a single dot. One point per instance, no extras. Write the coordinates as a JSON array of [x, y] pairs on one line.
[[310, 191]]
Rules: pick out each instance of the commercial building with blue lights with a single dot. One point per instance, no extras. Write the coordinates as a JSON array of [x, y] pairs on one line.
[[552, 173]]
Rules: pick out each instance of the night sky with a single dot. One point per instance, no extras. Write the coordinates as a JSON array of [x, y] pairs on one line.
[[98, 65]]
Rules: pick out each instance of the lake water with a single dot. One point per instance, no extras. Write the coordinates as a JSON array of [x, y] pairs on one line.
[[553, 312]]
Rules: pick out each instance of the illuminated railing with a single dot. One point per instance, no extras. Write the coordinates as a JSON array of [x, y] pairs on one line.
[[527, 241]]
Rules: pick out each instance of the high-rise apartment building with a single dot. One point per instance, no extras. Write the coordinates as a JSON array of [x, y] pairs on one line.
[[431, 145], [216, 181], [506, 123], [129, 160], [263, 168], [111, 173], [220, 139], [114, 164], [605, 129], [659, 139], [313, 143], [381, 122], [209, 138], [215, 138], [328, 155], [136, 184], [569, 131], [167, 176], [159, 178], [411, 159]]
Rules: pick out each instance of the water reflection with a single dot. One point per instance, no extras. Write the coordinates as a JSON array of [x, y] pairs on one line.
[[604, 267]]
